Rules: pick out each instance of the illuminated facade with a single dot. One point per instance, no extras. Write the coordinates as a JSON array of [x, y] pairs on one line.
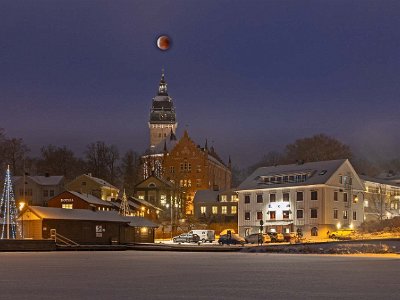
[[216, 206], [37, 190], [191, 168], [187, 166], [381, 198], [162, 120], [316, 197], [88, 184]]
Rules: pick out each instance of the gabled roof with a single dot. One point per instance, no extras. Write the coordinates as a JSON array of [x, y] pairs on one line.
[[144, 202], [87, 215], [206, 196], [75, 214], [42, 180], [90, 199], [161, 180], [380, 181], [117, 204], [209, 196], [99, 181], [320, 172]]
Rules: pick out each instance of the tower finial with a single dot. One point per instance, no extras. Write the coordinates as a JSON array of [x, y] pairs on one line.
[[162, 89]]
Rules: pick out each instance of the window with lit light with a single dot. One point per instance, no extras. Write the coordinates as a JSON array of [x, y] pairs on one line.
[[215, 210], [233, 210], [203, 209], [272, 215], [345, 214], [67, 205], [224, 209], [285, 214], [223, 198]]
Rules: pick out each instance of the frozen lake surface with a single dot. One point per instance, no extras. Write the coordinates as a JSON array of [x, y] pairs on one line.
[[182, 275]]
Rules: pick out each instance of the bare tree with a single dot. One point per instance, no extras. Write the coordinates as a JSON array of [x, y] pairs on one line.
[[317, 148], [59, 161], [14, 152], [101, 160], [129, 171]]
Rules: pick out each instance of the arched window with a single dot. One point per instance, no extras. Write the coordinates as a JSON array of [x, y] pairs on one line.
[[152, 185], [314, 231]]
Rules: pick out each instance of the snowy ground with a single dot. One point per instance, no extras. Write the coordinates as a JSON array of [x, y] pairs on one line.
[[181, 275]]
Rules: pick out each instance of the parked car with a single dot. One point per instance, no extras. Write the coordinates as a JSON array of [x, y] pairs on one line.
[[225, 231], [233, 239], [204, 234], [290, 236], [186, 238], [341, 234], [276, 237], [255, 237]]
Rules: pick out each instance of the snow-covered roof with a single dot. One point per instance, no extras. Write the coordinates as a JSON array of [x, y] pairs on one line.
[[88, 215], [379, 180], [91, 199], [101, 182], [144, 202], [210, 196], [42, 180], [204, 196], [318, 173]]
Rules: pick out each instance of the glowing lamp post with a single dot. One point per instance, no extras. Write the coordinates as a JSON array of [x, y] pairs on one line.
[[21, 207]]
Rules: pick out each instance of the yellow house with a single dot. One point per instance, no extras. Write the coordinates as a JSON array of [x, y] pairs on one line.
[[87, 184]]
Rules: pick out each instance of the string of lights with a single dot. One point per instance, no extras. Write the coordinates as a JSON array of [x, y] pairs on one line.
[[8, 210]]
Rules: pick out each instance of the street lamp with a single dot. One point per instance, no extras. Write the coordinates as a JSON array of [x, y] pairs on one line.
[[21, 207]]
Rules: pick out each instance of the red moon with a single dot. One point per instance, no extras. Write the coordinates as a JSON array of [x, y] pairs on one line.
[[163, 42]]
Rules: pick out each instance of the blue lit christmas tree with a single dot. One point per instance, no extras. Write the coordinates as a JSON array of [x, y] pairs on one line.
[[8, 210]]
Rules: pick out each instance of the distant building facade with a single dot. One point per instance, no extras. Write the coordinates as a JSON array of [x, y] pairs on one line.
[[37, 190], [216, 206], [162, 120], [316, 197], [75, 200], [381, 198], [86, 227], [88, 184], [187, 166], [191, 168]]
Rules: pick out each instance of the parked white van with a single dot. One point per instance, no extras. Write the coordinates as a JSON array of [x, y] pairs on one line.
[[205, 235]]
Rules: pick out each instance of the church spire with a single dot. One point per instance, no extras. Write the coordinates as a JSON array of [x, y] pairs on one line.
[[162, 88]]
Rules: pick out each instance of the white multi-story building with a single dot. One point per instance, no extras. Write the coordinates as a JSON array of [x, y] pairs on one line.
[[381, 198], [316, 197]]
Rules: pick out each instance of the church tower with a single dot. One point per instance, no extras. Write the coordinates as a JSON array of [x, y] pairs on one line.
[[162, 115]]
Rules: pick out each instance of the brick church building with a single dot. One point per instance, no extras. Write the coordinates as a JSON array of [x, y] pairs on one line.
[[188, 166]]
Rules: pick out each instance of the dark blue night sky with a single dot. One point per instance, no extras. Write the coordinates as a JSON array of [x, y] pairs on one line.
[[252, 76]]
